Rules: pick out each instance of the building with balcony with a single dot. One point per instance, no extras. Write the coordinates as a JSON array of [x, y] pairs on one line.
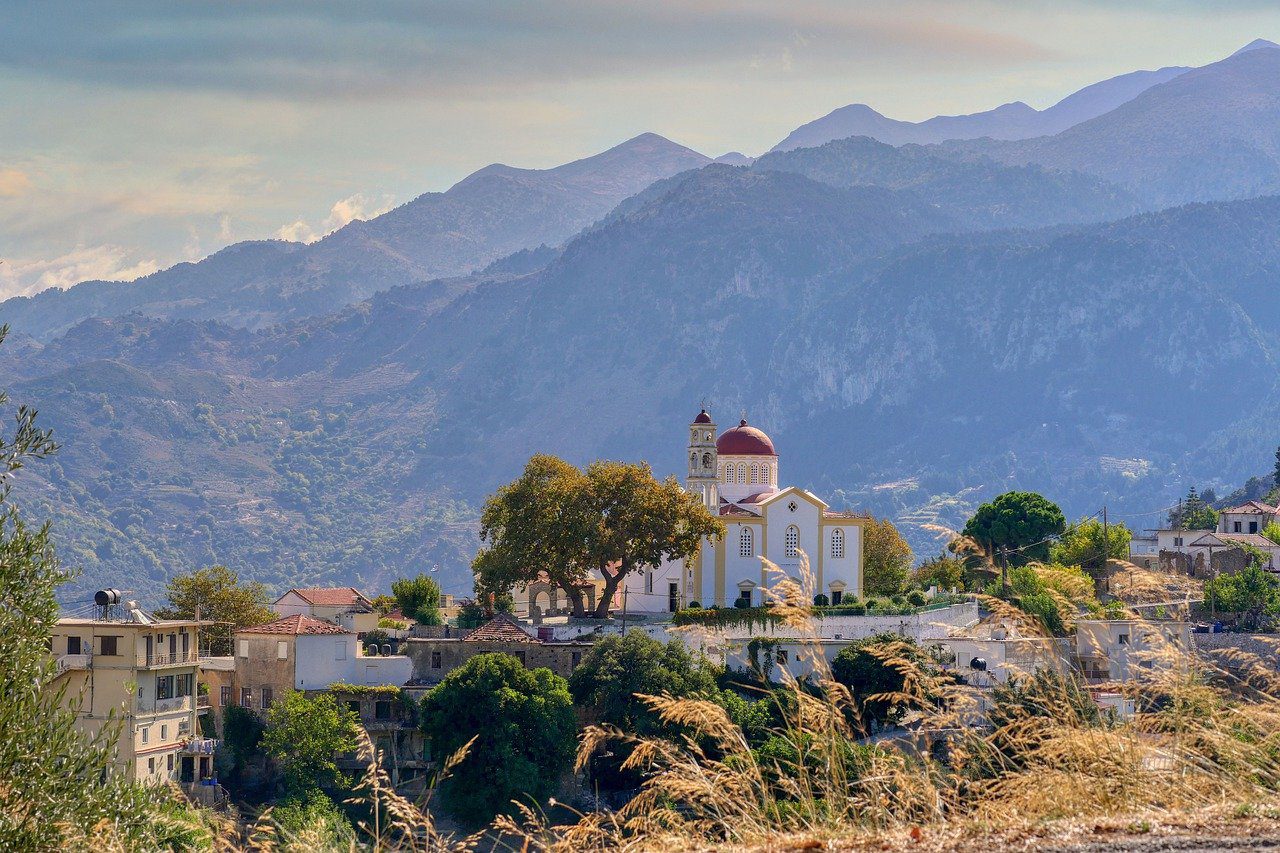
[[122, 664]]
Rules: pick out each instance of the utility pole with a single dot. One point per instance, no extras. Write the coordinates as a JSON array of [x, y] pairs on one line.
[[1106, 550], [1004, 570]]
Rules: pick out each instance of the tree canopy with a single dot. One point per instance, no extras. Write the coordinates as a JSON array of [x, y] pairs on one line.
[[304, 735], [1082, 545], [943, 571], [886, 558], [418, 598], [220, 598], [1018, 524], [559, 523], [1192, 513], [1251, 592], [523, 724]]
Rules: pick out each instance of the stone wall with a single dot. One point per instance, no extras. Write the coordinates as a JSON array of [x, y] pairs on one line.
[[1224, 562], [1265, 646], [433, 659]]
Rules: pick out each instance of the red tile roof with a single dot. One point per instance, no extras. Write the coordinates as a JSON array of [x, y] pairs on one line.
[[331, 596], [500, 629], [296, 624], [1253, 508]]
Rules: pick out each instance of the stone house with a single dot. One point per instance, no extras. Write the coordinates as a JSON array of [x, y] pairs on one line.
[[435, 657], [390, 715], [1249, 517]]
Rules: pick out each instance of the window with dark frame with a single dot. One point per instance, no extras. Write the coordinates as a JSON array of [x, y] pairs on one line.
[[110, 646]]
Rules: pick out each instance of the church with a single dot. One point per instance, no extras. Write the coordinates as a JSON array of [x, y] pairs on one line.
[[736, 474]]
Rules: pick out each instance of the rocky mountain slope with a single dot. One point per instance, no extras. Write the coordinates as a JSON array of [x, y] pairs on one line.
[[898, 368]]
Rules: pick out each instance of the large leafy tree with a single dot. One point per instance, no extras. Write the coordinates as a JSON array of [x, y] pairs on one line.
[[536, 527], [619, 669], [1192, 513], [57, 785], [1085, 546], [1016, 527], [304, 735], [561, 523], [886, 557], [943, 571], [218, 596], [418, 598], [1251, 592], [523, 727]]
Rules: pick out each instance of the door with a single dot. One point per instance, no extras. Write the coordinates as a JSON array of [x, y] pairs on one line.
[[673, 597]]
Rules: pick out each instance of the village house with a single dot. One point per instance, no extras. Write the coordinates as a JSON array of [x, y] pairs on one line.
[[390, 716], [342, 605], [1249, 517], [123, 664], [300, 652], [1205, 553], [435, 657], [1121, 649]]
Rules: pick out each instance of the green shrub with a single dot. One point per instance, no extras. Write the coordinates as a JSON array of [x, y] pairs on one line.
[[916, 598], [821, 600]]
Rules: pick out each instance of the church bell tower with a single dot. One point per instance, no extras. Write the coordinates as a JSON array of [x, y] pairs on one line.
[[702, 460]]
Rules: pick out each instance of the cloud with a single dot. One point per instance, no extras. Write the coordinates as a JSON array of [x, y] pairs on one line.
[[330, 48], [14, 182], [349, 209], [20, 277]]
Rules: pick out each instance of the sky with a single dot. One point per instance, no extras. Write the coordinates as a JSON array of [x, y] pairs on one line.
[[137, 134]]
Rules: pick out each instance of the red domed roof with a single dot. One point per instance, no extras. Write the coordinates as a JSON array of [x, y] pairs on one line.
[[702, 418], [744, 440]]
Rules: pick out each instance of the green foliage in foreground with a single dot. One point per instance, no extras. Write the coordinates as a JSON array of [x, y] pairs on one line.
[[523, 724], [1252, 593], [304, 734], [58, 788], [418, 598], [866, 668]]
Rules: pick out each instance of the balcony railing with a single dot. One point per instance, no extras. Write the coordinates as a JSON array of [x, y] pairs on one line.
[[178, 659], [161, 706], [66, 662], [200, 746], [202, 701]]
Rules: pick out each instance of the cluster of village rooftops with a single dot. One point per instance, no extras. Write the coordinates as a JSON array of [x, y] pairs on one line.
[[122, 663]]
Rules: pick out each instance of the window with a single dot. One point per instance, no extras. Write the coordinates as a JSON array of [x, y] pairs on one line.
[[673, 597], [73, 645], [243, 651], [742, 472], [1253, 527], [151, 765], [266, 698], [382, 710], [164, 687], [353, 705], [164, 733], [792, 541], [755, 473], [282, 650], [837, 544], [782, 657], [340, 650], [184, 727], [435, 660], [764, 474], [246, 697], [1177, 541], [746, 545], [706, 460], [146, 734], [224, 695], [173, 646], [520, 657], [186, 645], [744, 595], [575, 658], [1235, 527], [184, 685], [110, 646], [170, 762], [648, 582], [1123, 639]]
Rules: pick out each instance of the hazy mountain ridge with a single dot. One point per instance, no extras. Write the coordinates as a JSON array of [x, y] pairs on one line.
[[1008, 121], [353, 446], [486, 216]]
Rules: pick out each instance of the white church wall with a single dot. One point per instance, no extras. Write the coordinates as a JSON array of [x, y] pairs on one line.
[[845, 569], [778, 517]]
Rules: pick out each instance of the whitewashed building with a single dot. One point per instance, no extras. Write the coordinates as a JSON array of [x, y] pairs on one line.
[[736, 474]]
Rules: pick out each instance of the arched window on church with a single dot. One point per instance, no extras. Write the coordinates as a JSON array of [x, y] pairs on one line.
[[792, 541], [837, 544], [746, 543], [742, 473], [755, 473], [693, 460], [764, 475], [706, 460]]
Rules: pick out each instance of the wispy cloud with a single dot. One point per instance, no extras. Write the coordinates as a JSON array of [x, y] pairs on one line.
[[358, 206], [14, 182], [22, 277]]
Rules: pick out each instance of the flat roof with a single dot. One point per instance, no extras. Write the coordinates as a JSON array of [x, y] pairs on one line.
[[122, 623]]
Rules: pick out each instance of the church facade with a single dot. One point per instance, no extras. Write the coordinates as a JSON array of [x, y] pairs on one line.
[[736, 475]]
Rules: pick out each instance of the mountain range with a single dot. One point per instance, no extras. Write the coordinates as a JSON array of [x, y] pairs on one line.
[[916, 326]]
